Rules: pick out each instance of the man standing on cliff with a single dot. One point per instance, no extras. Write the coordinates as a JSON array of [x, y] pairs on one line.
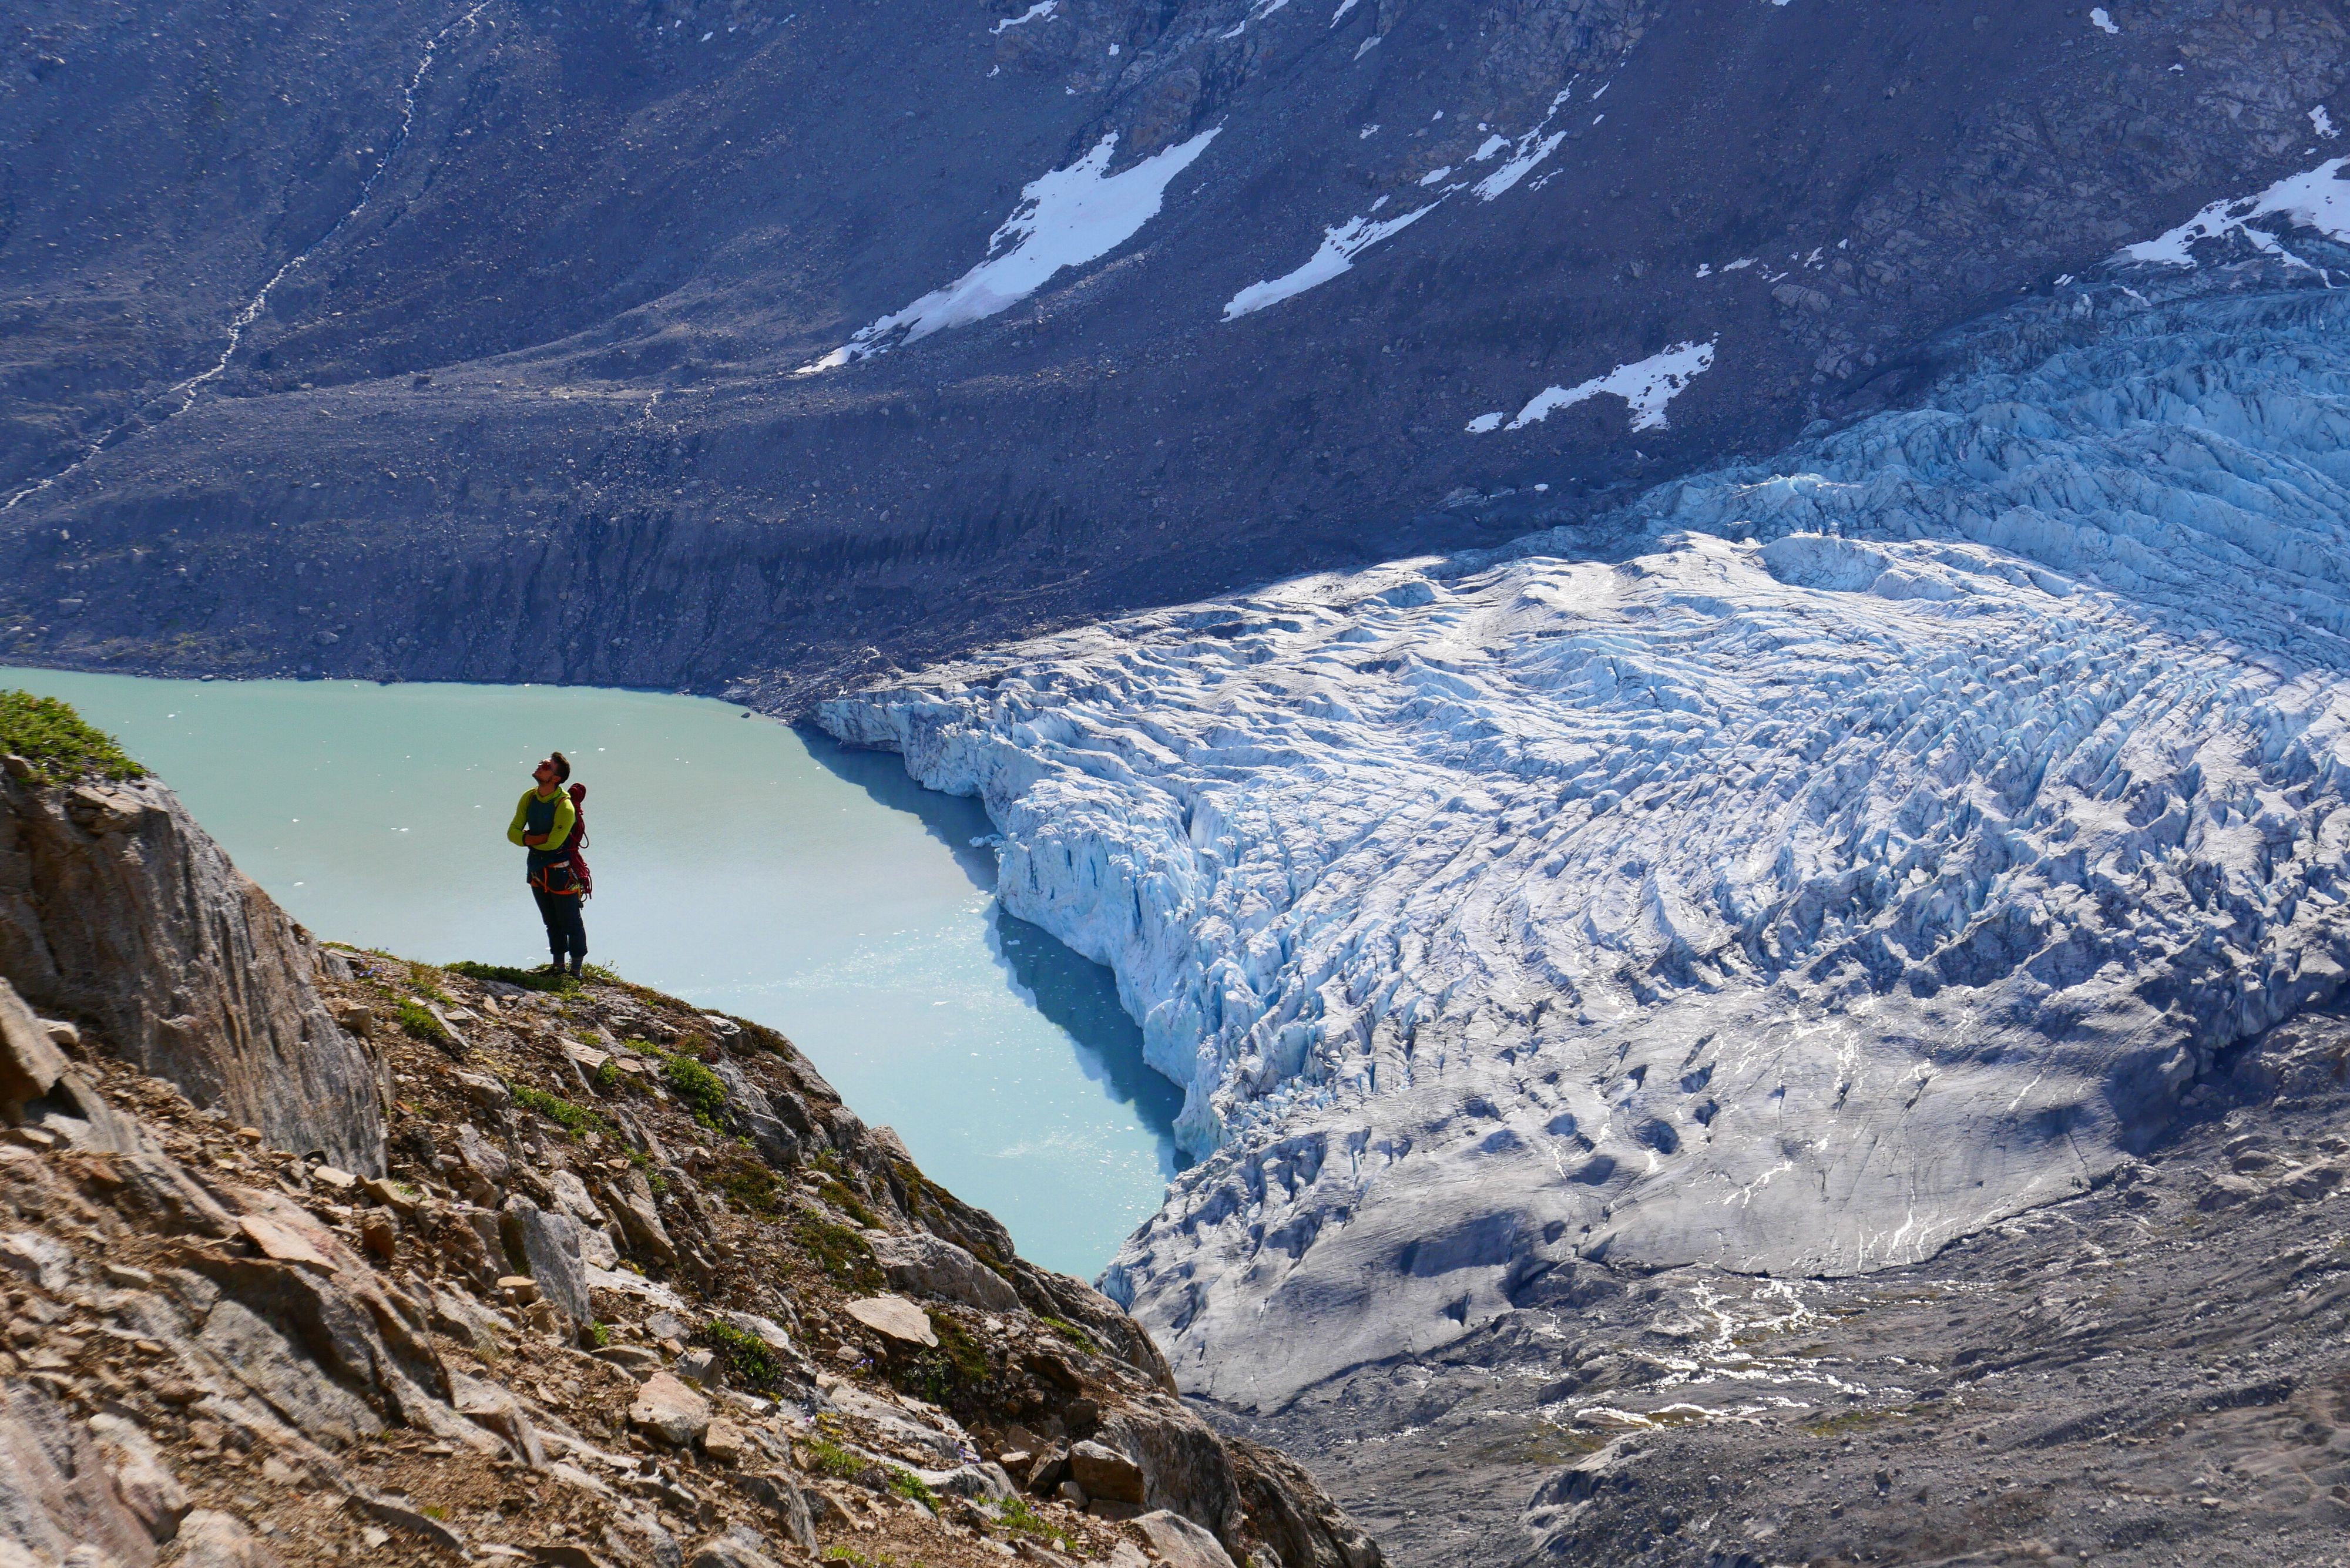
[[543, 824]]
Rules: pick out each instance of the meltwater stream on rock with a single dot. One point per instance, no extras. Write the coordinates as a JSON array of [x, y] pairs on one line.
[[750, 867]]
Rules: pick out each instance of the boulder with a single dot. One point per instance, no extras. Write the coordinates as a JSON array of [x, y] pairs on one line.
[[755, 1115], [669, 1412], [724, 1443], [765, 1330], [117, 908], [738, 1548], [629, 1201], [481, 1155], [213, 1539], [1179, 1543], [896, 1318], [30, 1062], [141, 1480], [925, 1264], [282, 1243], [1105, 1473], [545, 1245], [497, 1410], [55, 1491], [37, 1258], [781, 1496], [1185, 1467]]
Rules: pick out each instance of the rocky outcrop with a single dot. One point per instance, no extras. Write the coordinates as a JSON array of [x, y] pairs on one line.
[[116, 909], [221, 1352]]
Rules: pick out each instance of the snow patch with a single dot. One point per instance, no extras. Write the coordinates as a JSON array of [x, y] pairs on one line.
[[1040, 12], [1647, 386], [1339, 248], [1066, 218], [2101, 21], [2323, 123], [2319, 198]]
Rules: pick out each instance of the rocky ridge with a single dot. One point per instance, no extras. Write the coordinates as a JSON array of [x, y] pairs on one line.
[[632, 1286]]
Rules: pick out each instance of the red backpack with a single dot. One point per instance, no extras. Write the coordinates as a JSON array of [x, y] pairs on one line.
[[580, 841]]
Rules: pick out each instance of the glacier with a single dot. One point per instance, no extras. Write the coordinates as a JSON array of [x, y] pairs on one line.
[[1792, 870]]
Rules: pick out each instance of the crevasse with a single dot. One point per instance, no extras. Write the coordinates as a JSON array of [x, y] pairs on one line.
[[1807, 864]]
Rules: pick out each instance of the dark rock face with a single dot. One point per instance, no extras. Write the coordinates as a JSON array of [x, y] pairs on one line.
[[526, 407], [116, 908]]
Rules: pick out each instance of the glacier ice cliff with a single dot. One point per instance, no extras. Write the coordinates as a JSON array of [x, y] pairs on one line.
[[1793, 870]]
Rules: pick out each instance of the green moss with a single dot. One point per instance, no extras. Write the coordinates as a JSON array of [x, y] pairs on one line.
[[426, 980], [823, 1456], [953, 1375], [1074, 1334], [696, 1086], [417, 1020], [597, 1335], [62, 748], [748, 1359], [607, 1077], [528, 979], [1022, 1519], [573, 1119], [842, 1199], [839, 1251], [749, 1185], [905, 1483]]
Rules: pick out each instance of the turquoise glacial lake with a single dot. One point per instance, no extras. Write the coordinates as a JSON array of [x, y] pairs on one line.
[[746, 866]]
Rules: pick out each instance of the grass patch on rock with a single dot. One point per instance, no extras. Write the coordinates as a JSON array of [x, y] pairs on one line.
[[506, 974], [416, 1020], [839, 1251], [905, 1483], [749, 1360], [955, 1374], [62, 748], [577, 1120], [1072, 1333], [696, 1086], [823, 1456], [749, 1185], [1022, 1519]]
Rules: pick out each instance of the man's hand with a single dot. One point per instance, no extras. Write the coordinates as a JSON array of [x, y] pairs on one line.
[[536, 840]]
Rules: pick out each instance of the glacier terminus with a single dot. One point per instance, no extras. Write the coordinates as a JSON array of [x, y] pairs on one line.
[[1793, 870]]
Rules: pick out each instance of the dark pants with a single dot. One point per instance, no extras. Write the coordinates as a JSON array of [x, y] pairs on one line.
[[564, 929]]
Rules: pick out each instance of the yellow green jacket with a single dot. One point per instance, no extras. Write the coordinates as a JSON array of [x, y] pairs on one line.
[[552, 815]]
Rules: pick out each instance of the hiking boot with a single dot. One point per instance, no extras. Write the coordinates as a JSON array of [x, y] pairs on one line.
[[577, 964]]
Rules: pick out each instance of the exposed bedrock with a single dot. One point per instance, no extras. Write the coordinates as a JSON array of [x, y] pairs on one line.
[[1795, 871], [116, 909]]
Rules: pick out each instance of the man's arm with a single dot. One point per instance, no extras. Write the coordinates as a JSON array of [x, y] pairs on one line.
[[522, 814], [559, 833]]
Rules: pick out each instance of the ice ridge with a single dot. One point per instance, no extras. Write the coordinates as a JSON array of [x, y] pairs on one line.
[[1806, 865]]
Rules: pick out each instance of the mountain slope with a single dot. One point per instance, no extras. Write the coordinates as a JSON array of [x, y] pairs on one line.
[[557, 270]]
